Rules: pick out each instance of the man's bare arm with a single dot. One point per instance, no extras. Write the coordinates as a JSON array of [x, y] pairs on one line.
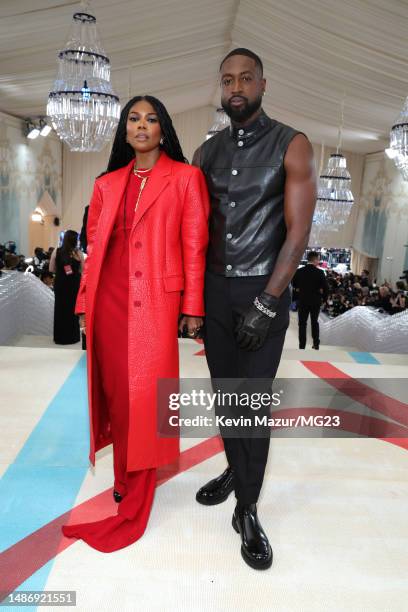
[[299, 205]]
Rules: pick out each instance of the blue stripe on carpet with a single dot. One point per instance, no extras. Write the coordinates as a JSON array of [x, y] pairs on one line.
[[45, 478], [364, 357]]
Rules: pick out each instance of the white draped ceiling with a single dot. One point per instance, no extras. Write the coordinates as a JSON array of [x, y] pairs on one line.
[[313, 51]]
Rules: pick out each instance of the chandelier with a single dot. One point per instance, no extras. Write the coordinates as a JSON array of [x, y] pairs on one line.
[[398, 150], [334, 197], [82, 106], [221, 121]]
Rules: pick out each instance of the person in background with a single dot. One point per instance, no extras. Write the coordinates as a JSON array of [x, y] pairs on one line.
[[66, 262], [398, 300], [48, 279], [11, 261], [82, 236], [365, 278], [384, 299], [22, 265], [310, 288]]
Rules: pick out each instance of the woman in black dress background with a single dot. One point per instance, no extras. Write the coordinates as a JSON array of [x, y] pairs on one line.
[[67, 263]]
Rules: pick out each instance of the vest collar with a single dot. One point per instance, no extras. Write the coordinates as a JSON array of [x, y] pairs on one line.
[[259, 124]]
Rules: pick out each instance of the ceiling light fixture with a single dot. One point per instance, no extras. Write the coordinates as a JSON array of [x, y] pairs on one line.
[[399, 141], [83, 108], [334, 198], [37, 217], [32, 132], [391, 153], [45, 129]]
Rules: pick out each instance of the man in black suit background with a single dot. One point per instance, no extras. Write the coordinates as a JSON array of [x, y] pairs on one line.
[[310, 288]]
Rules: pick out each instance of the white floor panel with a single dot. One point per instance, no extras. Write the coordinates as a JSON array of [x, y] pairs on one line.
[[336, 522], [29, 379], [334, 510]]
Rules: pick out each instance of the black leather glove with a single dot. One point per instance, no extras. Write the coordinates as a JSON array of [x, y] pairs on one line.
[[253, 327]]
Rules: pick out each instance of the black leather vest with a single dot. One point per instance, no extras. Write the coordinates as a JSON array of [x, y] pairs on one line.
[[246, 179]]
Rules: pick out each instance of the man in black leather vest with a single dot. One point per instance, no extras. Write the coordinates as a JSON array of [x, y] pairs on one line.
[[261, 180]]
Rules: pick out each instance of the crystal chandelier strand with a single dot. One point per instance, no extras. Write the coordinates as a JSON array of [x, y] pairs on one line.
[[83, 107], [221, 121], [334, 196], [399, 141], [341, 125]]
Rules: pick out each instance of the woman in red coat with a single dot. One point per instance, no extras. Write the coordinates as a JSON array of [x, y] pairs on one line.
[[147, 238]]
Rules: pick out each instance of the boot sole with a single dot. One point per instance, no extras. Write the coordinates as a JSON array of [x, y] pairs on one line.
[[250, 562]]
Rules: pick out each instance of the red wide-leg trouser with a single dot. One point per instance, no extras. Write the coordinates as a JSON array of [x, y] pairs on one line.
[[111, 352]]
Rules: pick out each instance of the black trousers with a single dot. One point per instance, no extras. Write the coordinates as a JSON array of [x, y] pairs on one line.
[[225, 300], [304, 310]]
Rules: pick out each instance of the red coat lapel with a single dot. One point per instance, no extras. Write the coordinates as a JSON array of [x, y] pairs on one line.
[[113, 192], [116, 186]]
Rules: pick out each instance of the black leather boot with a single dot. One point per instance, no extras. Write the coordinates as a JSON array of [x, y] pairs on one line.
[[255, 549], [217, 490], [117, 497]]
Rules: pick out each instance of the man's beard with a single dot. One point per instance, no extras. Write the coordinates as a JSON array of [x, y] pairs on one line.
[[240, 115]]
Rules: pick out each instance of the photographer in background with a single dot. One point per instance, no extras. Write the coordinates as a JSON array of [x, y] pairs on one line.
[[40, 261]]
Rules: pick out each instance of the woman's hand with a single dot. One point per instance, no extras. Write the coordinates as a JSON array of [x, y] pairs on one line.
[[193, 325], [82, 323]]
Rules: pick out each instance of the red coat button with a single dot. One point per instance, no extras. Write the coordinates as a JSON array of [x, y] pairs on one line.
[[138, 244], [137, 303], [138, 273]]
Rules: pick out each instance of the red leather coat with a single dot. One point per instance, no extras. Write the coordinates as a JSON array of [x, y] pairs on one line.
[[168, 243]]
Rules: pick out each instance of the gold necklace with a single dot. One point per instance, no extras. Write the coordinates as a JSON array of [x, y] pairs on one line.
[[142, 185], [136, 171]]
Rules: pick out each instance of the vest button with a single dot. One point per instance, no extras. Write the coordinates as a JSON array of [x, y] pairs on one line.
[[235, 172], [232, 204], [240, 143], [229, 267], [229, 236], [240, 132]]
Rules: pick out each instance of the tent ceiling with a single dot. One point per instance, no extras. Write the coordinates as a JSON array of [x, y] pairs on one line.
[[313, 51]]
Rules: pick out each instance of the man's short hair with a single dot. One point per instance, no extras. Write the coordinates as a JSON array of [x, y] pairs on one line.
[[248, 53], [312, 255]]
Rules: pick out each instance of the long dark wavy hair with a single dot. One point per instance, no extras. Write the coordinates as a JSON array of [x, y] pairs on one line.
[[122, 153], [69, 244]]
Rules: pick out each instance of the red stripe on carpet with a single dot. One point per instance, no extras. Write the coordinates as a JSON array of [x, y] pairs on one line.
[[202, 352], [401, 442], [21, 560], [352, 422], [358, 391]]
